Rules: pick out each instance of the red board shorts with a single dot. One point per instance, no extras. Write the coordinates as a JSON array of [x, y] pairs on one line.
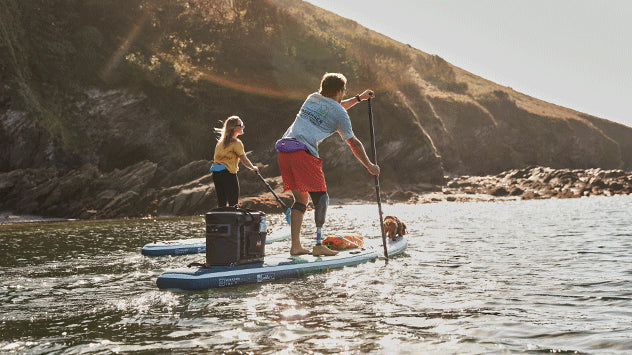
[[301, 171]]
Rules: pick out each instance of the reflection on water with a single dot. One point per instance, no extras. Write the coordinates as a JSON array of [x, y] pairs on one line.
[[530, 276]]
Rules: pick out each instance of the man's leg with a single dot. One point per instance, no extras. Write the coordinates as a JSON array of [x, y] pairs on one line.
[[321, 201], [296, 221]]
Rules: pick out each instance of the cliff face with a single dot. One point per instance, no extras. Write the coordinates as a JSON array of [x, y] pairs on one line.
[[477, 126], [110, 84]]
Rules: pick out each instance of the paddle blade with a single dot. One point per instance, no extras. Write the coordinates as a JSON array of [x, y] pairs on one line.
[[287, 216]]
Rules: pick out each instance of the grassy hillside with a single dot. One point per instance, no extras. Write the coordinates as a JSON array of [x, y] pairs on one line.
[[477, 126], [120, 81]]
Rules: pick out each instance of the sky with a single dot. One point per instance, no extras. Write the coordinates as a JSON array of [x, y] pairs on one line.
[[573, 53]]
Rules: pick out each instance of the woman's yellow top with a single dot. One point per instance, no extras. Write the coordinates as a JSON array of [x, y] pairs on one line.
[[229, 156]]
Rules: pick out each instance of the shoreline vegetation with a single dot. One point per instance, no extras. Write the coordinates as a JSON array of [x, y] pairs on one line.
[[93, 136], [518, 184]]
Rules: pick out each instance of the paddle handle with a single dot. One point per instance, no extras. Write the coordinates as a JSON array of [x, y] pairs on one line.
[[271, 190], [377, 179]]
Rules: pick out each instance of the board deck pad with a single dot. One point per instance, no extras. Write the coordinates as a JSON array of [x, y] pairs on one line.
[[198, 245], [275, 267]]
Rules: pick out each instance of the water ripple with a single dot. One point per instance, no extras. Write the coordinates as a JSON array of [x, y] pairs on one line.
[[518, 276]]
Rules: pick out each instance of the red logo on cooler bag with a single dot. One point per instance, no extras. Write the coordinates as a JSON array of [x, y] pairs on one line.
[[259, 242]]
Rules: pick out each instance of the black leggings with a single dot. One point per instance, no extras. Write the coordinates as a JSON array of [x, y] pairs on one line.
[[226, 187]]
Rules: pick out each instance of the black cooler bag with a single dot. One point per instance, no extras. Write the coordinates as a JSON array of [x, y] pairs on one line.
[[235, 236]]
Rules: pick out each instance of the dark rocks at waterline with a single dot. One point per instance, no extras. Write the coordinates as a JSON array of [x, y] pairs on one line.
[[147, 189], [543, 182], [87, 193], [139, 190]]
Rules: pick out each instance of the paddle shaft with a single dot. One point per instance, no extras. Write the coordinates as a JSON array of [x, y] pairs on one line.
[[271, 190], [377, 180]]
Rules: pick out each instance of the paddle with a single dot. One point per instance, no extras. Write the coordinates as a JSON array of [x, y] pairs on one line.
[[377, 180], [287, 210]]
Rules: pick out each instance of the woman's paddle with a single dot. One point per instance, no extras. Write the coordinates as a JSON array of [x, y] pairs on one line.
[[287, 210], [377, 180]]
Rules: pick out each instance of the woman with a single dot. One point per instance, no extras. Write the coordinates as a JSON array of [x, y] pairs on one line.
[[228, 152]]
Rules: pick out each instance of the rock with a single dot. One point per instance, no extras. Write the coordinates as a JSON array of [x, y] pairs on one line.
[[135, 177], [102, 199], [529, 195], [540, 174], [138, 190], [518, 174], [191, 171], [516, 191], [8, 181], [401, 196], [25, 145], [609, 174], [566, 193], [122, 205], [597, 182], [615, 186], [192, 201], [426, 187], [499, 191], [453, 184], [264, 204], [88, 214], [561, 178]]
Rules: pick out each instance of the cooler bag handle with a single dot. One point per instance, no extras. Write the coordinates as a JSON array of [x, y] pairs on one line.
[[248, 212]]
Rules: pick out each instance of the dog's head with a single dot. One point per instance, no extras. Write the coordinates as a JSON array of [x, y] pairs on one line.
[[394, 227]]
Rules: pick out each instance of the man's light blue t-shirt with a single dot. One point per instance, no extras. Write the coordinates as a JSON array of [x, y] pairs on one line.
[[319, 118]]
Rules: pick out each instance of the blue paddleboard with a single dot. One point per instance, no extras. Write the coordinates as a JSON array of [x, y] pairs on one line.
[[198, 245], [274, 268]]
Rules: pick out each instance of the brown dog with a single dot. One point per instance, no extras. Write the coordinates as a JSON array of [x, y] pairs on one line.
[[393, 227]]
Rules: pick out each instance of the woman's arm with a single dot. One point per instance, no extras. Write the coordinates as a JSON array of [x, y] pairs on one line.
[[244, 160]]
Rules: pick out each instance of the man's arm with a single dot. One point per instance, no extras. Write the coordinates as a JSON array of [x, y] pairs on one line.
[[349, 103], [358, 150]]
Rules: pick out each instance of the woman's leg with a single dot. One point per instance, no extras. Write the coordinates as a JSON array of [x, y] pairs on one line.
[[232, 189], [220, 188]]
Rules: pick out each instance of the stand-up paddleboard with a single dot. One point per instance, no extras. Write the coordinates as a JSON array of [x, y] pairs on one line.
[[198, 245], [275, 267]]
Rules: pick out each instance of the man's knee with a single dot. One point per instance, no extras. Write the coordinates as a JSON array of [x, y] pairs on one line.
[[301, 207], [300, 196]]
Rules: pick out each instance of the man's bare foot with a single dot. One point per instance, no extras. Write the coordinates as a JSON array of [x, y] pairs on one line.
[[299, 251], [323, 250]]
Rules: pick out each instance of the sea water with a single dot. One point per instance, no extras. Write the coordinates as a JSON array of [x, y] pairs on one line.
[[488, 277]]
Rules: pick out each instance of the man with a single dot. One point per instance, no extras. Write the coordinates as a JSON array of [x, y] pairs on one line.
[[322, 114]]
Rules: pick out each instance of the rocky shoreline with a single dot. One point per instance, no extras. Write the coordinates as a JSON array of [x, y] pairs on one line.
[[145, 190], [543, 183], [530, 183]]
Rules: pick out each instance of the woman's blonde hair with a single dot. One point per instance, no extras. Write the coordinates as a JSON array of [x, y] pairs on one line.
[[226, 132]]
